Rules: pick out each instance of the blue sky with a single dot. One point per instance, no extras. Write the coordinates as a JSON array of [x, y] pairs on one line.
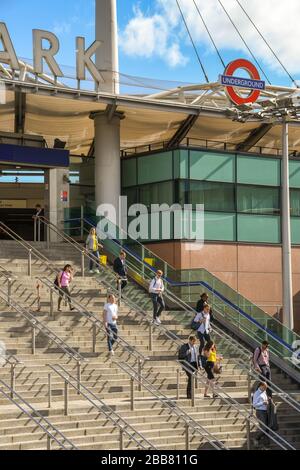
[[153, 41]]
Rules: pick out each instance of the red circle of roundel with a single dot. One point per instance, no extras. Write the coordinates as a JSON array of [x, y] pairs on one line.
[[254, 74]]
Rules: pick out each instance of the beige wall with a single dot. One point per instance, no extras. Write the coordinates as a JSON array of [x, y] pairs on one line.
[[255, 271]]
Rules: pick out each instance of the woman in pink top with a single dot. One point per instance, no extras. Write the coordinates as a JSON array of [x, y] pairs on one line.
[[64, 278]]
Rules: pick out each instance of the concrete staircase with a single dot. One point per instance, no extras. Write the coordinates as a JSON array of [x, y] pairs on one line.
[[84, 425]]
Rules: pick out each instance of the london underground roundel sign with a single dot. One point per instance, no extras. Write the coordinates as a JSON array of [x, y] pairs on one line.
[[232, 82]]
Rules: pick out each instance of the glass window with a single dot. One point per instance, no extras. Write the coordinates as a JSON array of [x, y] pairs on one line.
[[129, 172], [156, 167], [219, 226], [258, 200], [295, 174], [131, 194], [181, 164], [258, 170], [214, 196], [161, 193], [295, 202], [259, 228], [295, 229], [211, 166], [183, 192]]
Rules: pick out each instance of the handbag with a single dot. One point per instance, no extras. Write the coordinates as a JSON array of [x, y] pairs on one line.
[[217, 368]]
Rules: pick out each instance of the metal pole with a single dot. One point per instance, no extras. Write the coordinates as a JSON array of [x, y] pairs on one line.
[[66, 397], [49, 443], [287, 285], [12, 379], [178, 384], [121, 439], [29, 263], [249, 386], [51, 303], [82, 263], [120, 292], [78, 377], [150, 337], [94, 338], [132, 393], [9, 283], [143, 262], [48, 237], [248, 434], [140, 374], [34, 229], [39, 230], [49, 391], [187, 437], [81, 221], [193, 390], [33, 340]]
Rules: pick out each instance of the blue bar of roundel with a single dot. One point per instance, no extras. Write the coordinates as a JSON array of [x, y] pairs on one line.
[[17, 154]]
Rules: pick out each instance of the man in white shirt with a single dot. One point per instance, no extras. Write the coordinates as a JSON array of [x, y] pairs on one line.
[[260, 404], [156, 290], [110, 316], [203, 318]]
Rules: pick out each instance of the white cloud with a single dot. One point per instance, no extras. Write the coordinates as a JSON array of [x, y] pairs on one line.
[[163, 34], [150, 36]]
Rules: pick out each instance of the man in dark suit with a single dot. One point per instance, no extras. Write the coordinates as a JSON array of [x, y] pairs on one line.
[[120, 269], [189, 356]]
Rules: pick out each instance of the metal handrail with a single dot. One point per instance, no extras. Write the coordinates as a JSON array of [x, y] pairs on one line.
[[287, 398], [173, 336], [101, 406], [91, 317], [36, 324], [167, 402], [32, 414], [223, 396], [290, 401]]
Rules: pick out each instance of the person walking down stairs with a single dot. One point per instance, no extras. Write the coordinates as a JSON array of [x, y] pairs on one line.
[[64, 278], [188, 354], [156, 290], [92, 245], [110, 317], [212, 367], [120, 268]]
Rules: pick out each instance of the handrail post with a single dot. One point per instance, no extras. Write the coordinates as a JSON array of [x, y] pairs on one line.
[[48, 237], [150, 337], [178, 384], [81, 221], [12, 379], [33, 340], [140, 365], [193, 389], [121, 439], [119, 292], [94, 337], [248, 434], [34, 228], [249, 385], [9, 283], [49, 443], [82, 263], [132, 393], [66, 398], [49, 390], [78, 377], [29, 262], [187, 436], [143, 261], [51, 311], [39, 229]]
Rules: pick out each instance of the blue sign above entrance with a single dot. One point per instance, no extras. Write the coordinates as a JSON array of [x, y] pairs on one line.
[[32, 156]]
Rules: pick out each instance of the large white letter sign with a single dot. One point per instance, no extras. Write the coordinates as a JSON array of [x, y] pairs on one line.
[[83, 60], [39, 53], [7, 55]]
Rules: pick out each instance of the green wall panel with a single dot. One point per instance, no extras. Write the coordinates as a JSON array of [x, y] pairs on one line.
[[181, 164], [295, 229], [211, 166], [155, 168], [259, 228], [129, 176], [258, 170], [219, 226], [294, 174]]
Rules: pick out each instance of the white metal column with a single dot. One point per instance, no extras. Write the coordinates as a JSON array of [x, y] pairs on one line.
[[287, 283], [107, 59]]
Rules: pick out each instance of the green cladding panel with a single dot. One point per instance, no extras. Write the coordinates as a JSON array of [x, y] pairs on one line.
[[129, 176], [295, 174], [295, 229], [155, 168], [181, 164], [219, 226], [258, 170], [211, 166], [259, 228]]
